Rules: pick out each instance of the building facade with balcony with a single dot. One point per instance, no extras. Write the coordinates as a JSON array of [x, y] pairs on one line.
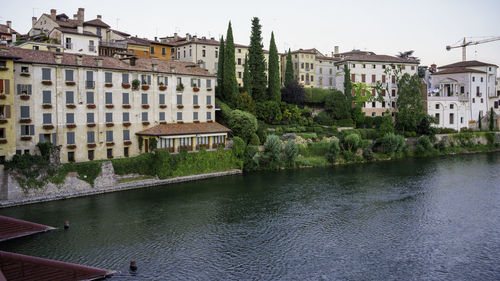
[[461, 93], [372, 69], [110, 107]]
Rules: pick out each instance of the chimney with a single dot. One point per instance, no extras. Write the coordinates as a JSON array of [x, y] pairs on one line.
[[58, 58], [156, 39], [79, 59], [195, 38], [212, 38], [433, 68], [75, 16], [336, 50], [99, 16], [154, 66], [176, 36], [81, 14], [9, 24], [53, 14], [188, 36], [14, 37], [99, 61], [33, 21]]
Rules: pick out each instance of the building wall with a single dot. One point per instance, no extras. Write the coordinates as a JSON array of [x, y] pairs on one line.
[[44, 23], [325, 73], [158, 51], [59, 109], [80, 42], [304, 69], [138, 50], [205, 55], [7, 142], [239, 56]]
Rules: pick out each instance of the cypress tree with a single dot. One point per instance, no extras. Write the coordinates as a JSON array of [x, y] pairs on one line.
[[348, 85], [492, 121], [257, 62], [274, 72], [247, 78], [220, 68], [230, 85], [289, 68]]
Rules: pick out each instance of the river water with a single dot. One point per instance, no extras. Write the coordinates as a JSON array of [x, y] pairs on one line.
[[420, 219]]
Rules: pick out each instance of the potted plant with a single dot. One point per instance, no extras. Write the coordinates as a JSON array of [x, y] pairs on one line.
[[145, 106], [3, 121], [25, 121], [2, 97], [162, 87], [180, 87], [145, 123], [3, 141], [163, 106], [48, 127], [195, 88], [70, 106], [127, 142], [163, 122], [70, 83], [210, 106], [91, 125], [125, 85], [91, 106], [196, 106], [108, 85], [71, 146], [144, 86], [25, 138], [126, 106], [71, 126], [135, 84], [180, 106], [110, 143], [47, 82], [110, 124], [126, 124], [109, 106], [91, 145], [24, 97], [46, 106]]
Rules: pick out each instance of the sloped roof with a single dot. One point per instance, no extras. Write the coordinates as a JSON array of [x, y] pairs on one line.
[[4, 30], [457, 70], [307, 51], [372, 57], [120, 33], [96, 22], [202, 41], [75, 31], [138, 41], [470, 63], [175, 129], [141, 64]]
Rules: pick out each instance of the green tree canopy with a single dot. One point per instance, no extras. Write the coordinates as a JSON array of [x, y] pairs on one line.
[[289, 68], [220, 69], [247, 78], [257, 62], [274, 72], [409, 103], [230, 85], [338, 105]]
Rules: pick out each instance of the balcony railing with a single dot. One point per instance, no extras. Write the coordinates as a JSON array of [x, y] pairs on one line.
[[116, 45], [89, 84]]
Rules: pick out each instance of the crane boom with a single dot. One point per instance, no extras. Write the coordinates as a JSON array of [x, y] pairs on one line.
[[466, 43]]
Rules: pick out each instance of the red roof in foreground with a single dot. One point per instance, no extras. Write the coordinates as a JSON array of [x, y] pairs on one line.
[[11, 228], [26, 268], [184, 129]]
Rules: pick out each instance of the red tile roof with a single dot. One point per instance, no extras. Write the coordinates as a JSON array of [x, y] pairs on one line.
[[457, 70], [470, 63], [123, 34], [11, 228], [75, 31], [372, 57], [175, 129], [141, 64], [4, 30], [96, 22]]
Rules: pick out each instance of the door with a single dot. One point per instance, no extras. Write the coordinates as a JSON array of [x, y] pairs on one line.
[[146, 145]]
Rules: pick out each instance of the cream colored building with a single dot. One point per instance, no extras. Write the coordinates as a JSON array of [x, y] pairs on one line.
[[304, 63], [239, 55], [88, 105]]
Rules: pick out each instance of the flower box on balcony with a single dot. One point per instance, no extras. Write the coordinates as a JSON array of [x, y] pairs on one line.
[[145, 87], [91, 106], [91, 145], [145, 123], [163, 106], [24, 97], [3, 121], [196, 89], [209, 89], [25, 121], [70, 83], [71, 146], [210, 121], [48, 127], [163, 122], [71, 106], [26, 138], [196, 121], [126, 124], [47, 82], [25, 74], [163, 88], [91, 125], [145, 106], [109, 124], [2, 97], [109, 106], [46, 106], [110, 143], [196, 106], [180, 106], [210, 106], [3, 141], [71, 126], [127, 142], [180, 122], [125, 85], [110, 156], [126, 106], [108, 85]]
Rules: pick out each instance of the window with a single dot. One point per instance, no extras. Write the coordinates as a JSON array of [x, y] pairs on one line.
[[163, 51], [25, 69], [437, 106], [126, 135], [452, 118], [125, 78], [383, 66], [108, 77], [374, 66], [353, 78], [163, 80], [109, 136], [383, 92], [90, 154], [452, 106], [71, 156], [412, 67], [437, 118], [47, 118], [203, 53], [383, 78], [126, 117], [195, 99], [373, 104], [216, 54], [91, 137], [25, 112], [179, 116], [179, 99], [46, 74], [27, 130], [461, 120], [46, 97], [481, 79], [109, 117], [152, 50], [363, 77], [22, 89], [144, 99], [393, 92], [144, 116], [209, 115], [69, 75], [239, 74], [162, 98], [162, 116], [209, 83], [125, 151], [353, 66], [462, 89], [393, 79], [109, 98], [70, 118], [209, 100], [195, 82], [195, 116], [383, 104], [109, 153], [90, 97], [473, 79], [70, 137], [146, 79], [70, 97], [393, 104], [90, 118], [125, 99]]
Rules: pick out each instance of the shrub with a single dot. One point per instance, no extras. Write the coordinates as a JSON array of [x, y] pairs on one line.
[[333, 151], [345, 123], [368, 154], [316, 95], [323, 119], [445, 131], [308, 136], [245, 102], [243, 124], [316, 161], [490, 137], [386, 126], [391, 143], [369, 122], [349, 156], [351, 142], [410, 134], [268, 111], [87, 171], [272, 151], [338, 105], [251, 163], [239, 147], [425, 142], [290, 153]]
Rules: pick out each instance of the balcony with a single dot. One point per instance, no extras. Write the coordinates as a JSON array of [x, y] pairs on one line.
[[89, 84], [115, 45], [439, 97]]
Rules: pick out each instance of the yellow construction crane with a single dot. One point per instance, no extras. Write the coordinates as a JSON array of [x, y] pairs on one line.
[[466, 43]]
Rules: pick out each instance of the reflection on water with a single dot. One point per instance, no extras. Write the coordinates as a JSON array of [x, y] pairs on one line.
[[425, 219]]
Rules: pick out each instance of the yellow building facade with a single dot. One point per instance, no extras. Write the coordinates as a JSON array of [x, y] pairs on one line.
[[7, 133]]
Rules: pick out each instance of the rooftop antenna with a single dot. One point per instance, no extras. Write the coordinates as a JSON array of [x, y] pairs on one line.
[[117, 20], [34, 11]]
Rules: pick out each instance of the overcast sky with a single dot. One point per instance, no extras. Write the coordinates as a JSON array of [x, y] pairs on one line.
[[384, 27]]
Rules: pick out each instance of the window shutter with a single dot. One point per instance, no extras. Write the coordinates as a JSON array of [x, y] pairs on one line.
[[29, 89], [1, 85], [32, 130], [19, 91], [7, 87], [7, 111], [40, 138], [54, 138]]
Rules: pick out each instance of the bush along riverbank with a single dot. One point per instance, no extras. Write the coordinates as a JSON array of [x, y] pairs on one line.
[[351, 147]]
